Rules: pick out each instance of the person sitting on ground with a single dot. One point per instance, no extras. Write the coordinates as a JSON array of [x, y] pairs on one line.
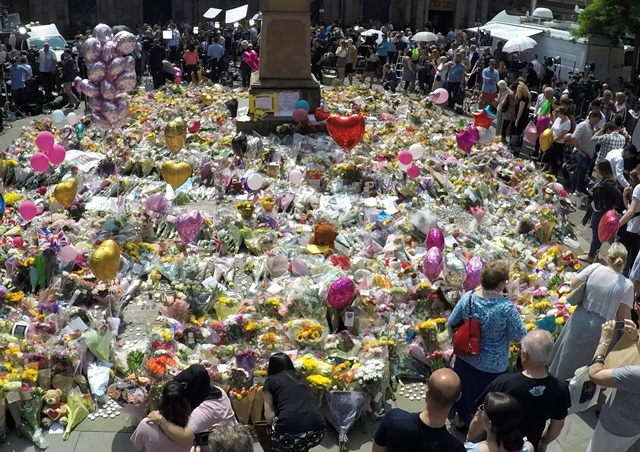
[[401, 431], [174, 408], [542, 397], [500, 416]]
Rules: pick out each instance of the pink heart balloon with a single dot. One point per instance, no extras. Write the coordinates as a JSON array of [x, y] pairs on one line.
[[188, 226], [432, 264], [341, 293], [435, 238]]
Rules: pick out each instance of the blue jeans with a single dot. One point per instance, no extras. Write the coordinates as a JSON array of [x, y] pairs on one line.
[[595, 241], [580, 173]]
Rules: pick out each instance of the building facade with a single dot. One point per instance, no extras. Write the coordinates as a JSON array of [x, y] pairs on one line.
[[72, 16]]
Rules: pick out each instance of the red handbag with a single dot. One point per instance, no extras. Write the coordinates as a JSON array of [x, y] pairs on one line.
[[466, 339]]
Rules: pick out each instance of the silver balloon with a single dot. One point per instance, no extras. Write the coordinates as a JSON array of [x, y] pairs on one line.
[[108, 52], [116, 67], [102, 32], [129, 63], [122, 107], [126, 82], [108, 90], [89, 89], [109, 111], [97, 72], [98, 121], [91, 50], [95, 103], [454, 270], [125, 42]]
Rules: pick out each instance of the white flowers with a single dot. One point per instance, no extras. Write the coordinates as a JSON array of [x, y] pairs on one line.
[[370, 372]]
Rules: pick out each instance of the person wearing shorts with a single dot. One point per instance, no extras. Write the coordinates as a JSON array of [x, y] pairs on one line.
[[490, 78], [352, 61]]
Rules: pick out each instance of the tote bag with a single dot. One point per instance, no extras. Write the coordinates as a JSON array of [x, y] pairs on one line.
[[466, 339]]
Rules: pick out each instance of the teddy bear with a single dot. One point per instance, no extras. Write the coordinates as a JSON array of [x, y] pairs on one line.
[[54, 409], [323, 240]]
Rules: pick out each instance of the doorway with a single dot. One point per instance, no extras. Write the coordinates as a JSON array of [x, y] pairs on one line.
[[442, 20], [157, 11]]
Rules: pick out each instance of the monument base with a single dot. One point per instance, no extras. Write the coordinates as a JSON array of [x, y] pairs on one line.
[[309, 90]]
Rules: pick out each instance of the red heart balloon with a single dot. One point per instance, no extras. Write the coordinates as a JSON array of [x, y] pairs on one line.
[[347, 131], [321, 114]]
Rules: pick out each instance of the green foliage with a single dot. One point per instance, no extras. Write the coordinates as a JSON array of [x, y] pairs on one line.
[[609, 17]]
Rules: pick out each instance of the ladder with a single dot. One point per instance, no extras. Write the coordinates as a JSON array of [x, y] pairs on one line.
[[399, 66]]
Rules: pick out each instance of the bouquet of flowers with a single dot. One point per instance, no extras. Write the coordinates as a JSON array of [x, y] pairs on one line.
[[437, 360], [78, 407], [318, 384], [345, 407], [29, 423], [226, 307], [305, 332], [242, 402], [373, 376], [433, 332]]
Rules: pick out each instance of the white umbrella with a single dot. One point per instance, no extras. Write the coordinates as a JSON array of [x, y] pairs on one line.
[[519, 44], [375, 33], [212, 13], [424, 36]]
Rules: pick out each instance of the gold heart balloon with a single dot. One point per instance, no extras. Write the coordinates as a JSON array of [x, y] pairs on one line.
[[207, 99], [176, 173], [105, 260], [66, 191], [175, 132]]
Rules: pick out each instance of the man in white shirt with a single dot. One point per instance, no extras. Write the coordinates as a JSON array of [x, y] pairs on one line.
[[617, 157], [536, 65], [585, 150]]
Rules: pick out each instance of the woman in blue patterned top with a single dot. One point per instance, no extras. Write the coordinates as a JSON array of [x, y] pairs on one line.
[[500, 324]]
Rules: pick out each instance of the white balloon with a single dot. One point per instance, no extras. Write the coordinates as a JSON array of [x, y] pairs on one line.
[[486, 137], [295, 176], [404, 167], [254, 181], [416, 150]]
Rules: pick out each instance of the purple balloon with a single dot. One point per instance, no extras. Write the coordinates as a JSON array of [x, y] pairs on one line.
[[129, 64], [474, 133], [157, 203], [435, 238], [108, 52], [77, 84], [188, 226], [98, 121], [126, 82], [89, 89], [341, 293], [543, 123], [109, 111], [102, 32], [119, 124], [432, 264], [116, 67], [125, 42], [91, 50], [97, 72], [464, 141], [108, 90], [122, 107], [474, 267], [95, 103]]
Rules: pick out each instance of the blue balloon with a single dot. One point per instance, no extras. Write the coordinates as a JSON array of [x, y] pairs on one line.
[[489, 112], [2, 206], [58, 116], [303, 104], [79, 131]]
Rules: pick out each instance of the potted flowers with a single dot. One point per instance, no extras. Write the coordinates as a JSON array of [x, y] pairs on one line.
[[246, 209]]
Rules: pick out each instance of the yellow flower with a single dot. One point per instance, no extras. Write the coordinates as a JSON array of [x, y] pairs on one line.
[[571, 309], [11, 198], [531, 326], [427, 325], [12, 351], [559, 320], [30, 374], [318, 381]]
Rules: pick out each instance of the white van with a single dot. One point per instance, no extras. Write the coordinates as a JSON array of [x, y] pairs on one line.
[[37, 35], [554, 40]]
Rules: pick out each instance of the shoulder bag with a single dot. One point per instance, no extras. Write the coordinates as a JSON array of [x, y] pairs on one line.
[[577, 295], [466, 339]]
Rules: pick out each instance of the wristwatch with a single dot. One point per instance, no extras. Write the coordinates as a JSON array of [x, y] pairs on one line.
[[598, 359]]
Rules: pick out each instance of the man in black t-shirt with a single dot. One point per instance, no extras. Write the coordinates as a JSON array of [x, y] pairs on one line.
[[400, 431], [541, 396]]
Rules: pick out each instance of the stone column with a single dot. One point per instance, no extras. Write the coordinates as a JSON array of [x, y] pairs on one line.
[[285, 53]]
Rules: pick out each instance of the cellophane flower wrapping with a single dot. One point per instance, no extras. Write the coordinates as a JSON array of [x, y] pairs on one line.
[[99, 344], [77, 411], [29, 423], [345, 407]]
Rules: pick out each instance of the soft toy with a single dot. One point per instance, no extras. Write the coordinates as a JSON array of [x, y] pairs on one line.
[[54, 410], [323, 240]]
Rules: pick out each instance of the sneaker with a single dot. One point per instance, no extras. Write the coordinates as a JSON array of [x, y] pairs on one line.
[[586, 258]]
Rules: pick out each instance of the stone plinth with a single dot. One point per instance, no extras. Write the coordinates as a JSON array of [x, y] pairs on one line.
[[285, 54]]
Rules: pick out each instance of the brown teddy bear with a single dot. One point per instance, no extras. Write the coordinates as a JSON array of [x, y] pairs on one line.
[[54, 410], [323, 240]]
